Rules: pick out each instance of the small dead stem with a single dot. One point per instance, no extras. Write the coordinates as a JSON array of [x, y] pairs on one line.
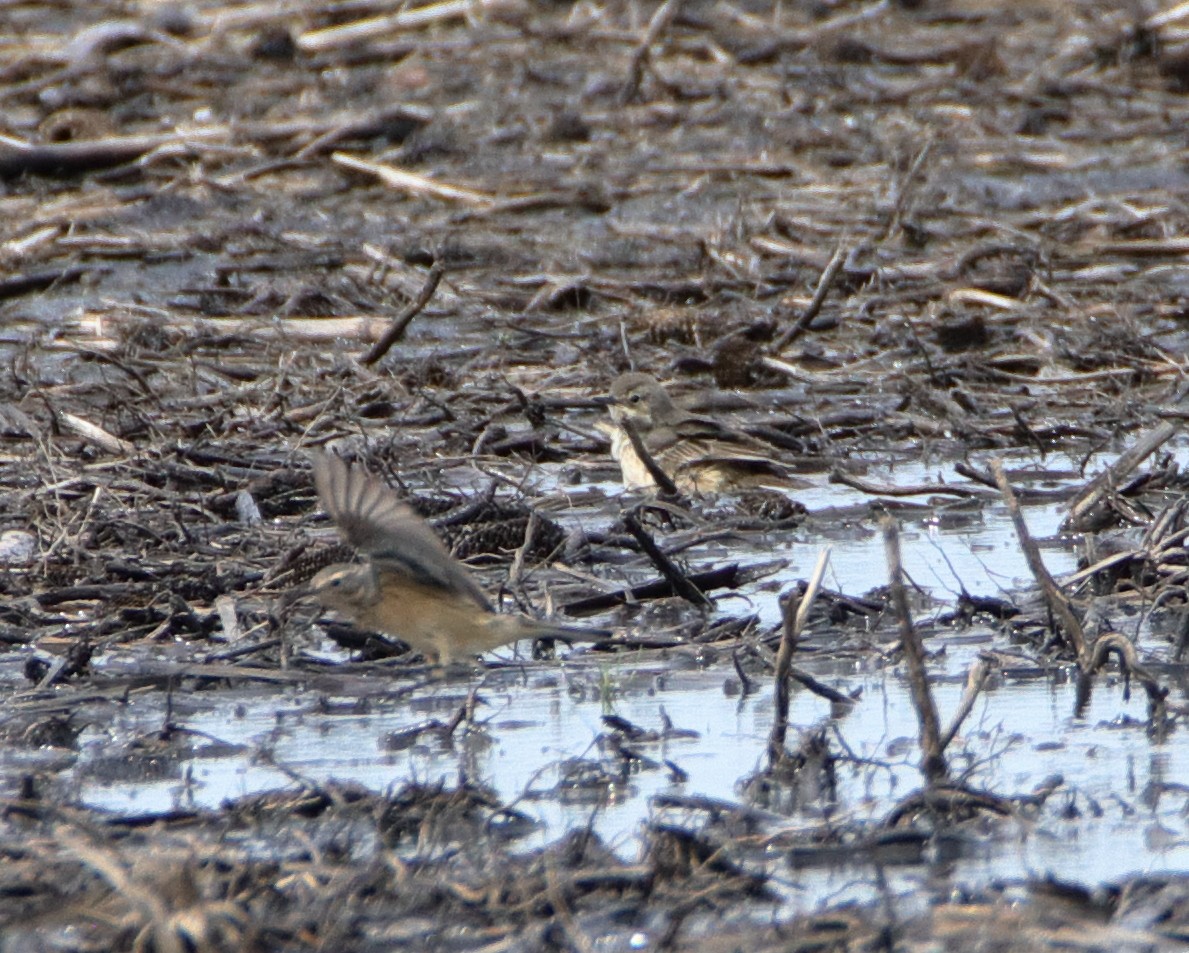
[[397, 329], [933, 763], [794, 612], [1058, 603], [1117, 644], [670, 570]]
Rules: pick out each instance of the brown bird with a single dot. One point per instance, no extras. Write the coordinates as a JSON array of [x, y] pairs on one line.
[[699, 454], [410, 586]]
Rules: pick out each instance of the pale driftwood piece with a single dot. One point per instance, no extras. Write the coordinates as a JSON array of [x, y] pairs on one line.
[[933, 764], [1109, 562], [1058, 603], [228, 618], [785, 368], [359, 327], [979, 296], [794, 616], [16, 248], [95, 434], [516, 570], [1094, 491], [412, 183], [1144, 246], [1164, 18], [975, 679], [358, 31]]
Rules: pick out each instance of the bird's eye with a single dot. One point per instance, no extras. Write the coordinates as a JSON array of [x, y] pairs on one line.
[[635, 398]]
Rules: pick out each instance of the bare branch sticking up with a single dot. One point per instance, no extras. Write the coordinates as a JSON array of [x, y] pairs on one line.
[[932, 752]]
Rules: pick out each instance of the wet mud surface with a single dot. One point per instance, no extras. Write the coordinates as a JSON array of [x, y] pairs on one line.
[[932, 255]]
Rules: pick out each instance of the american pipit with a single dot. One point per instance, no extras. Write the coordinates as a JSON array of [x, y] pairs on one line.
[[410, 586], [699, 454]]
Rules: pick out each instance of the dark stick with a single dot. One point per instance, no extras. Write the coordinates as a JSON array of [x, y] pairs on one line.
[[824, 284], [667, 568], [784, 659], [821, 689], [746, 682], [933, 756], [1055, 599], [729, 576], [397, 330], [82, 155], [838, 475], [1028, 494], [663, 481]]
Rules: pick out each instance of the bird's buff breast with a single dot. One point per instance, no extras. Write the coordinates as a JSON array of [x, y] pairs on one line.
[[690, 476], [635, 474]]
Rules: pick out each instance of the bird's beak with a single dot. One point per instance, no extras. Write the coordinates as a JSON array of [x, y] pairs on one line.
[[603, 401]]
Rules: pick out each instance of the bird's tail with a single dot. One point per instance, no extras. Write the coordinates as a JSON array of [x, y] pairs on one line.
[[522, 628]]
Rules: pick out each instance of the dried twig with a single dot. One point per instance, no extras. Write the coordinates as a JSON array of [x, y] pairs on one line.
[[660, 21], [677, 579], [92, 433], [932, 751], [371, 28], [976, 678], [1056, 600], [401, 321], [794, 613], [824, 284], [1093, 492], [412, 182]]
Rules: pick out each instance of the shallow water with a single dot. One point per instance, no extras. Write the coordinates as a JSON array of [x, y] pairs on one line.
[[1118, 817], [1020, 733]]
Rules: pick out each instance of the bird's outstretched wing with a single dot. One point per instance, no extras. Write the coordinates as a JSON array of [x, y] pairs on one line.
[[370, 517]]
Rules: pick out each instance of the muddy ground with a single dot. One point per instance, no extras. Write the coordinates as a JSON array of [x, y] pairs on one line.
[[879, 235]]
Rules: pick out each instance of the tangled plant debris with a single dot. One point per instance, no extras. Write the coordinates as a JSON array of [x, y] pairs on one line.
[[931, 255]]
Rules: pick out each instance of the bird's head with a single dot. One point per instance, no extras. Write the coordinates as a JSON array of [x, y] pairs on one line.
[[640, 399], [346, 588]]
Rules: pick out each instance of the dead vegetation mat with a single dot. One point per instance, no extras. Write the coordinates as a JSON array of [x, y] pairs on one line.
[[886, 231]]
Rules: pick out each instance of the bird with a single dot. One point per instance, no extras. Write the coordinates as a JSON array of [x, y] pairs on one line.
[[698, 453], [410, 586]]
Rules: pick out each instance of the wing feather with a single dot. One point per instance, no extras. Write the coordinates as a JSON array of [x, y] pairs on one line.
[[370, 517]]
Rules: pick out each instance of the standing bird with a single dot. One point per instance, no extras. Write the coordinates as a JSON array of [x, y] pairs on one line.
[[410, 586], [699, 454]]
